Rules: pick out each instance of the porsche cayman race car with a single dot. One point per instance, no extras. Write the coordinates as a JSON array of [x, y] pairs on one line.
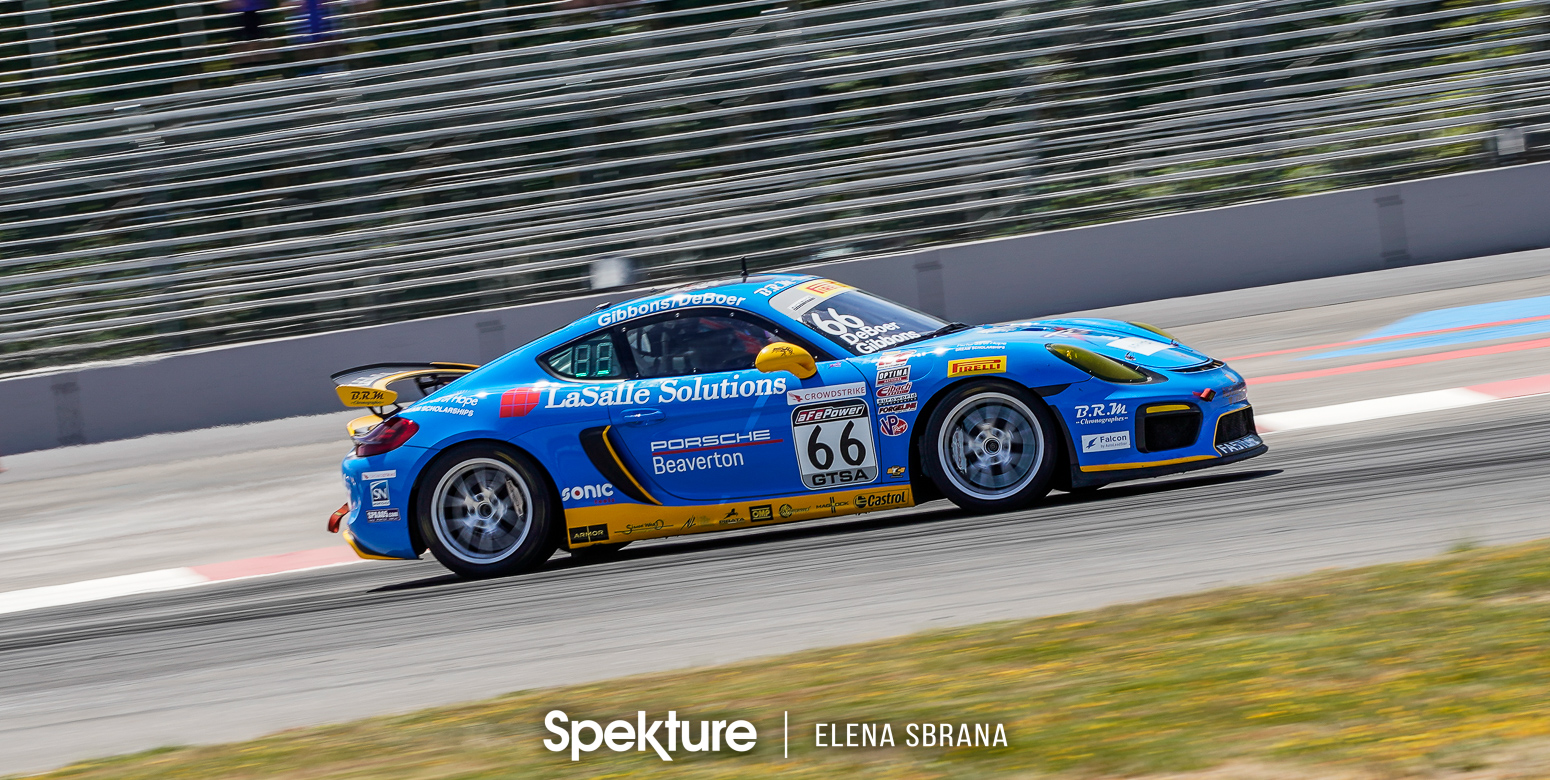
[[765, 400]]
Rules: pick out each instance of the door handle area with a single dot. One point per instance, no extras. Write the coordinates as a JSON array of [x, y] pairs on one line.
[[643, 416]]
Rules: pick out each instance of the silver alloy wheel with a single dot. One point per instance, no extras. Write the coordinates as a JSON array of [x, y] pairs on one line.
[[482, 510], [991, 445]]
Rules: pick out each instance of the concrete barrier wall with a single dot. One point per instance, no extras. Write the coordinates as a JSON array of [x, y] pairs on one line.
[[1424, 221]]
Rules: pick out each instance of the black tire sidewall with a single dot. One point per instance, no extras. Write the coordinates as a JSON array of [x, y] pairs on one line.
[[531, 553], [931, 456]]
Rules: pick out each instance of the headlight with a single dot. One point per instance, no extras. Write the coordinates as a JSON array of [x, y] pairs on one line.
[[1099, 366], [1159, 331]]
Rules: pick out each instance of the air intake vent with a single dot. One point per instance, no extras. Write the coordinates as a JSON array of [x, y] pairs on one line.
[[1167, 427], [1232, 427]]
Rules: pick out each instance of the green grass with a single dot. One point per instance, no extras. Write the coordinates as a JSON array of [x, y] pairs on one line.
[[1425, 669]]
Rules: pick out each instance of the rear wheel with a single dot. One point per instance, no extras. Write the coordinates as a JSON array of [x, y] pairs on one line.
[[486, 511], [991, 447]]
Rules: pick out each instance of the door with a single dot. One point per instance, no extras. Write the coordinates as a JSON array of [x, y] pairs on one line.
[[713, 427]]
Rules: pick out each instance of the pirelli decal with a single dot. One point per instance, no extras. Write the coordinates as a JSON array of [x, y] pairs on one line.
[[995, 364]]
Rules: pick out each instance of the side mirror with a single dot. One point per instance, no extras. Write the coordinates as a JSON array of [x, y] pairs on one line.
[[781, 356]]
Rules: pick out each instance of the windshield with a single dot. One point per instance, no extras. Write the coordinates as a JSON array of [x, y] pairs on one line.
[[862, 322]]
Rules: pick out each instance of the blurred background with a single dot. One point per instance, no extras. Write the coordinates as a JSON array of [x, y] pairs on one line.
[[176, 175]]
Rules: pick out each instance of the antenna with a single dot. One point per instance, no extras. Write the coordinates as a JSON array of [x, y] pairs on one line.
[[743, 261]]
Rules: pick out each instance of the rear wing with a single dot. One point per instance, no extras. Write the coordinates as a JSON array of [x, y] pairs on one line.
[[367, 386]]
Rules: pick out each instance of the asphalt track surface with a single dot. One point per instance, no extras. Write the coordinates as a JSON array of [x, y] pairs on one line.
[[242, 659]]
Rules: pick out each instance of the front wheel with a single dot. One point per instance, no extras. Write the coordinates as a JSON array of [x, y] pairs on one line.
[[486, 511], [991, 447]]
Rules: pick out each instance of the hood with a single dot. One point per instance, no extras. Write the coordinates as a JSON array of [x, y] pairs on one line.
[[1111, 339]]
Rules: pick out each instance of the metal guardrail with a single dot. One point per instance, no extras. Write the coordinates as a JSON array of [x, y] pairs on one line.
[[176, 203]]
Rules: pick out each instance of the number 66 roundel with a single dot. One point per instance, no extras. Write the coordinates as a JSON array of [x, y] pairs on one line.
[[834, 444]]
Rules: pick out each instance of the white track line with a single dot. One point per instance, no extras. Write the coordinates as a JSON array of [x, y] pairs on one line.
[[1374, 409]]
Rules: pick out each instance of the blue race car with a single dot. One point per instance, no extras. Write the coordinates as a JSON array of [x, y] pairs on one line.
[[765, 400]]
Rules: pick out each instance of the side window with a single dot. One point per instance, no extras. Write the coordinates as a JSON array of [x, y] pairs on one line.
[[590, 358], [695, 345]]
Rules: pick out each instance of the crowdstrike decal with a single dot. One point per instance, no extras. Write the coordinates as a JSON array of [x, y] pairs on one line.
[[585, 736]]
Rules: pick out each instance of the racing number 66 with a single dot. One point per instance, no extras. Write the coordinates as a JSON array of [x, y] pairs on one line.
[[822, 455], [834, 444]]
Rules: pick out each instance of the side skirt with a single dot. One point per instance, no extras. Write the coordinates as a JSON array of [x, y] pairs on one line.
[[614, 523]]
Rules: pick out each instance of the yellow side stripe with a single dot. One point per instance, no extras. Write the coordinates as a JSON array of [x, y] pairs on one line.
[[1169, 408], [1123, 466], [626, 470]]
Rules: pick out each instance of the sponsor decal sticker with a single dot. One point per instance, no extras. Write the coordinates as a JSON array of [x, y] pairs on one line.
[[974, 345], [895, 471], [518, 401], [715, 441], [591, 533], [892, 425], [773, 287], [980, 365], [1248, 442], [833, 505], [891, 359], [797, 300], [787, 511], [675, 390], [831, 393], [599, 494], [664, 463], [630, 530], [887, 375], [457, 410], [888, 391], [1104, 442], [371, 476], [764, 512], [898, 408], [1139, 346], [867, 502], [382, 515], [630, 312], [1093, 414], [732, 517], [379, 494]]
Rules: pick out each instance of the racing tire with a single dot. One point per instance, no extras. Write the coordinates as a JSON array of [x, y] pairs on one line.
[[991, 446], [486, 511], [597, 553]]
